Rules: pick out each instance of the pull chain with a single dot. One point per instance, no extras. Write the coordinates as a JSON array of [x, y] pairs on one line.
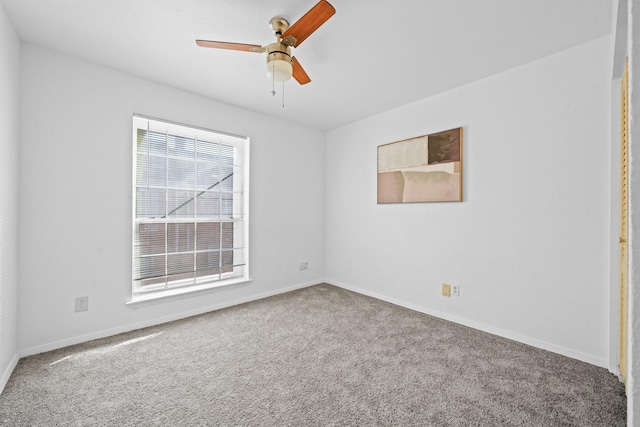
[[273, 78], [273, 82]]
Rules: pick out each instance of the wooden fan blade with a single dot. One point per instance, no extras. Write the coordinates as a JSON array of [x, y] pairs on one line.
[[231, 46], [299, 74], [311, 21]]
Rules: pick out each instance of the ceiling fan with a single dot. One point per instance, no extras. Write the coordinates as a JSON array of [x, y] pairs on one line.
[[281, 66]]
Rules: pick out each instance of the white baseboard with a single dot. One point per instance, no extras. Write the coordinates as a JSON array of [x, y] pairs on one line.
[[156, 321], [8, 371], [480, 326]]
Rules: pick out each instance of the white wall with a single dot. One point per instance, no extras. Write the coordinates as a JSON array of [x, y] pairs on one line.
[[9, 125], [529, 245], [75, 205]]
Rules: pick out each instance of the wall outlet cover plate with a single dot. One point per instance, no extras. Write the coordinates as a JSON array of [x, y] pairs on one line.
[[82, 304]]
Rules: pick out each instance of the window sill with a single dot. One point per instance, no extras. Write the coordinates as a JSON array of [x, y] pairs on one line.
[[186, 291]]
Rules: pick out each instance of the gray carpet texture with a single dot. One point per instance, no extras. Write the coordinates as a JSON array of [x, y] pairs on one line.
[[319, 356]]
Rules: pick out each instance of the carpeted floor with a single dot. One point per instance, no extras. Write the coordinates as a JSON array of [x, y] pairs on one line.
[[317, 356]]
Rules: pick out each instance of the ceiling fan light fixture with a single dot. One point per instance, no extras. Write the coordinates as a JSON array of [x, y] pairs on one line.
[[279, 62], [279, 70]]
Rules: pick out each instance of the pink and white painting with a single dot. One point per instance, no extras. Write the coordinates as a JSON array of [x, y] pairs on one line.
[[427, 168]]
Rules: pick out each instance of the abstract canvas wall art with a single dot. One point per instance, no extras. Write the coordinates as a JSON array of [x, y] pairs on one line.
[[427, 168]]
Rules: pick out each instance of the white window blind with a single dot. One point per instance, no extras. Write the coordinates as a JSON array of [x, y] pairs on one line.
[[190, 224]]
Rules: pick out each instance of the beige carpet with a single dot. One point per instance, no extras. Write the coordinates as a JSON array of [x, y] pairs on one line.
[[317, 356]]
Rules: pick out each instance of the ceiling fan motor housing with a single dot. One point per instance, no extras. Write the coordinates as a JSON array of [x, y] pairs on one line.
[[279, 62]]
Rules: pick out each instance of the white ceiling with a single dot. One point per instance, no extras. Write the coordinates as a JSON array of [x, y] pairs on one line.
[[370, 57]]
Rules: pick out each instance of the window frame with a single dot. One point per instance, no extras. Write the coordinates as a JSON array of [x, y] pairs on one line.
[[239, 217]]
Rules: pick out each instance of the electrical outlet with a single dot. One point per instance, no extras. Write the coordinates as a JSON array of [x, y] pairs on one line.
[[82, 304], [304, 265], [446, 290], [455, 290]]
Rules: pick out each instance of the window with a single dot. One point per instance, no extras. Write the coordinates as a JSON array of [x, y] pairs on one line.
[[190, 222]]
